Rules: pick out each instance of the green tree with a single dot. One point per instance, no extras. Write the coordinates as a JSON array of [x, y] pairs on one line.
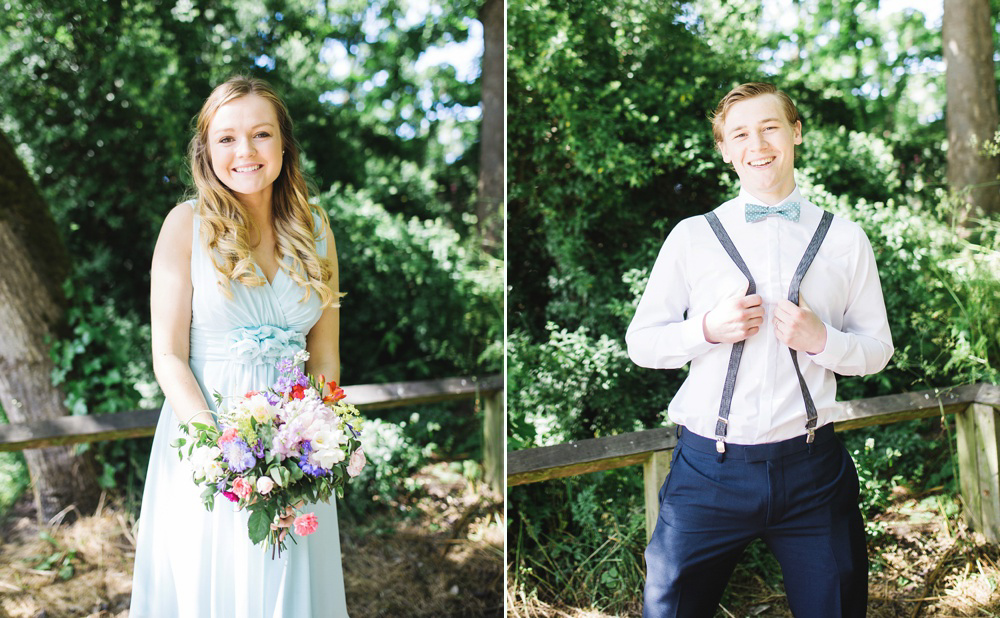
[[848, 65]]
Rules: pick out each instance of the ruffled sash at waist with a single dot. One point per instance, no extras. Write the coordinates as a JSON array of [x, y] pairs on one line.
[[258, 345]]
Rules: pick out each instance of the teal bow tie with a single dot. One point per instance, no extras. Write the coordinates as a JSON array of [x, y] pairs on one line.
[[788, 210]]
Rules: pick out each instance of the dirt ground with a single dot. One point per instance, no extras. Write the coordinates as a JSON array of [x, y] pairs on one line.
[[446, 560], [926, 562]]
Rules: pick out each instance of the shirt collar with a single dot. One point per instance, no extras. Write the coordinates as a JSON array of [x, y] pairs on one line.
[[732, 211], [745, 197]]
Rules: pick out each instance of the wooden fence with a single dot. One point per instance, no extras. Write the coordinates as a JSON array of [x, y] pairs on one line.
[[976, 406], [140, 423]]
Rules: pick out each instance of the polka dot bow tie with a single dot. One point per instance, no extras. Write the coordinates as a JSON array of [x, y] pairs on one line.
[[756, 212]]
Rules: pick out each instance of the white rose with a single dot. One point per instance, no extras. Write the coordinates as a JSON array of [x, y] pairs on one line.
[[264, 485]]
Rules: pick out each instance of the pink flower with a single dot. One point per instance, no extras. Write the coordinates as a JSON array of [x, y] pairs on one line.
[[242, 488], [264, 485], [357, 462], [230, 496], [305, 524], [228, 436]]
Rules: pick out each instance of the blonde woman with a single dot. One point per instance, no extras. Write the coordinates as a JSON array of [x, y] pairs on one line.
[[242, 275]]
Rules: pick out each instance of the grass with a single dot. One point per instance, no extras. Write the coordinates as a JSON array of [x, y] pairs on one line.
[[445, 560], [927, 563]]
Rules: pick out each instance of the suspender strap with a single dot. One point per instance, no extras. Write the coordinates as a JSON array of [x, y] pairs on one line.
[[793, 296], [722, 424]]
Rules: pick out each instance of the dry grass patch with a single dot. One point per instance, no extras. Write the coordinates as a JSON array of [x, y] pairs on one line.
[[444, 561], [926, 563]]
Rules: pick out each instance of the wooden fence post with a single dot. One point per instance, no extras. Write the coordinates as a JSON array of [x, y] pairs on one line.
[[654, 472], [493, 435], [979, 468]]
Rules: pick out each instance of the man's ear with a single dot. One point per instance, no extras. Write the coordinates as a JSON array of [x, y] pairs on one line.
[[797, 132], [725, 153]]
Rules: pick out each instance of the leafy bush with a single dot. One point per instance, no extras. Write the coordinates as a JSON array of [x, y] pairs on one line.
[[103, 365], [13, 475], [914, 455], [412, 285], [940, 295], [399, 442], [575, 386], [849, 163]]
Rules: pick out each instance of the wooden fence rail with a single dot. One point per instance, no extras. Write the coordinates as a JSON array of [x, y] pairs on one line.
[[140, 423], [976, 406]]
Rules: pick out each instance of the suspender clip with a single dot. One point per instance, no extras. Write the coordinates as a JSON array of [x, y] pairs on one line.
[[720, 446], [811, 436]]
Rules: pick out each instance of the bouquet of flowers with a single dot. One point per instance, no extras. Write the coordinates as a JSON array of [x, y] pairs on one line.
[[276, 450]]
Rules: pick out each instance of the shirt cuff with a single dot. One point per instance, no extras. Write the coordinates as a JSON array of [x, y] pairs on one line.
[[693, 335], [836, 347]]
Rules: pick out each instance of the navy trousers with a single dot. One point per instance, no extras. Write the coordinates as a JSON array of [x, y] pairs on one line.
[[803, 503]]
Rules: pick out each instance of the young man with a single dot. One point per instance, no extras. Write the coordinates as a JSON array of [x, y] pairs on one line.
[[767, 297]]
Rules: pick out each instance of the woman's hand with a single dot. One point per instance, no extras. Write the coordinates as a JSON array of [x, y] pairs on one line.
[[285, 521], [204, 417]]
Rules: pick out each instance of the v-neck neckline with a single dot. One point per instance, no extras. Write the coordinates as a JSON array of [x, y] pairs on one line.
[[270, 283]]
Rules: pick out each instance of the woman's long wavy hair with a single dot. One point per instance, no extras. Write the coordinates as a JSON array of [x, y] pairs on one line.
[[226, 225]]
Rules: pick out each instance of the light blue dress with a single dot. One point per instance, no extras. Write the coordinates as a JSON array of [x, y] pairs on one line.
[[192, 563]]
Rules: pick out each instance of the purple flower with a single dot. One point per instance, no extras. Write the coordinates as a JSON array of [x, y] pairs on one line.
[[258, 449], [283, 385], [308, 468], [237, 454], [290, 376]]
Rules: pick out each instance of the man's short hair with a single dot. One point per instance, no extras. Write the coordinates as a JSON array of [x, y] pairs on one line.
[[748, 91]]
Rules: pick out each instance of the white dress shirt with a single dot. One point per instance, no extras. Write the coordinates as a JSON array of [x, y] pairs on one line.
[[693, 273]]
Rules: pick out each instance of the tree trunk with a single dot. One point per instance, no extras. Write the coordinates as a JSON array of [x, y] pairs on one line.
[[33, 265], [972, 104], [489, 203]]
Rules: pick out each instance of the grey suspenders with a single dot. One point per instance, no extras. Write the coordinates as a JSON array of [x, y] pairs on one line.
[[722, 425]]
